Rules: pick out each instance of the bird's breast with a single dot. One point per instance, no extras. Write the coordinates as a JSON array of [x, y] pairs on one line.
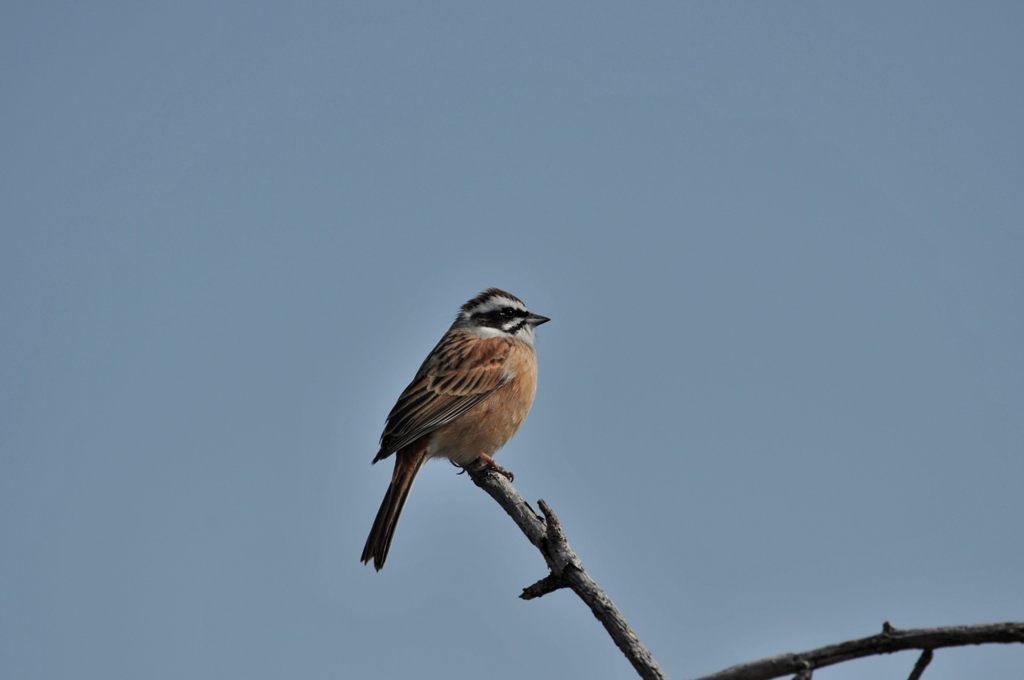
[[490, 424]]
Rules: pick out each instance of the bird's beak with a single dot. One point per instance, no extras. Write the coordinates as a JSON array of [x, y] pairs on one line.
[[536, 320]]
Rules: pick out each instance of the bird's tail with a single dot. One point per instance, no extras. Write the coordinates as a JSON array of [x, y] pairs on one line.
[[407, 463]]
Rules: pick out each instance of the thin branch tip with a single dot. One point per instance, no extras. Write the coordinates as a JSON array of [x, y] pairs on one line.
[[922, 663], [548, 584]]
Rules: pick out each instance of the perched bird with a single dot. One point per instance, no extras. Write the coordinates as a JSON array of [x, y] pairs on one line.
[[469, 397]]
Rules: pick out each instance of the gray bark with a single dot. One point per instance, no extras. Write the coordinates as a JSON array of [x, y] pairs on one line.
[[888, 641], [566, 570]]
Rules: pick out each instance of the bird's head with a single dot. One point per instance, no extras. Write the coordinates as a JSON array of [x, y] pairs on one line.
[[496, 313]]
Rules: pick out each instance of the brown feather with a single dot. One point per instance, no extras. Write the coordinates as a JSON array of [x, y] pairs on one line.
[[407, 463], [463, 370], [488, 425]]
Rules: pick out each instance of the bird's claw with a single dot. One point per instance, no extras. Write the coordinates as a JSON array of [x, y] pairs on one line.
[[489, 464]]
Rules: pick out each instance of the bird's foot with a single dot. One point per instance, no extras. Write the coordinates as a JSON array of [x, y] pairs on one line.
[[489, 464]]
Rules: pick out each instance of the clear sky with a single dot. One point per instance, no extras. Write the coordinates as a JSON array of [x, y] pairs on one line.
[[780, 400]]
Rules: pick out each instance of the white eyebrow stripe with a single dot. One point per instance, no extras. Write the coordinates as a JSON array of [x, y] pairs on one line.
[[495, 303]]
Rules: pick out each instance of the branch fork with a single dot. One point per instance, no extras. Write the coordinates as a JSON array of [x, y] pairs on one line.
[[557, 553], [545, 532]]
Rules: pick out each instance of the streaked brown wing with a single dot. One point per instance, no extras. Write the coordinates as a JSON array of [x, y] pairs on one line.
[[462, 371]]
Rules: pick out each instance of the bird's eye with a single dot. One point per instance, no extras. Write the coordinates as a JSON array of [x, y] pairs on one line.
[[507, 313]]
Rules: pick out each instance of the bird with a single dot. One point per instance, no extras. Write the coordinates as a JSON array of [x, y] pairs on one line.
[[470, 396]]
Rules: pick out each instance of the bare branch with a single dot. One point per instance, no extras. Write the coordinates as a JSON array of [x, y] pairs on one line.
[[888, 641], [547, 535], [566, 571], [922, 663]]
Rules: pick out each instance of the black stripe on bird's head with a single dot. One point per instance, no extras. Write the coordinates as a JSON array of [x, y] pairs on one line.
[[496, 312]]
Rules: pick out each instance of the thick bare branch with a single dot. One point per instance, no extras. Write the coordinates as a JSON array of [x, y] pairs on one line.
[[566, 570], [888, 641]]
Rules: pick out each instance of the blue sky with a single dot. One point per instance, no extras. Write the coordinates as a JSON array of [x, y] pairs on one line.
[[780, 398]]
